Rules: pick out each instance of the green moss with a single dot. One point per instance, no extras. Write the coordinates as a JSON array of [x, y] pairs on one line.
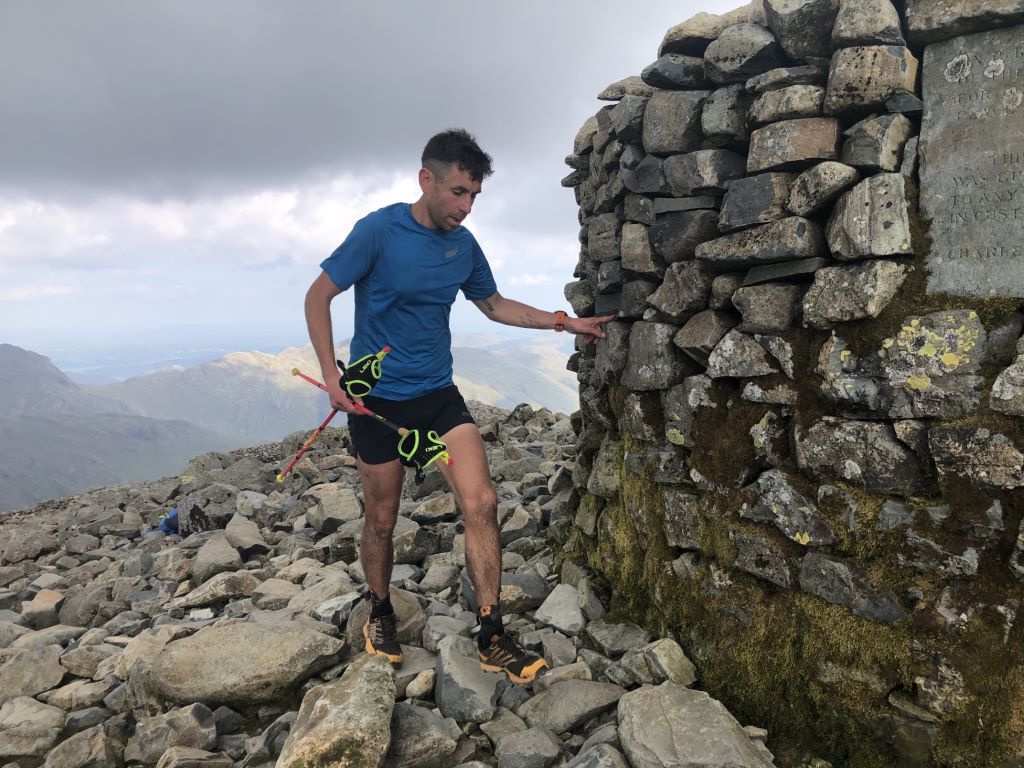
[[724, 451]]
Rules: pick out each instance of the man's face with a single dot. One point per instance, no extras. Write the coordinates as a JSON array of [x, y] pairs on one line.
[[449, 199]]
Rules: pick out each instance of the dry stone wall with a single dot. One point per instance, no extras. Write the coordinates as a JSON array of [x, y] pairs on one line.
[[801, 445]]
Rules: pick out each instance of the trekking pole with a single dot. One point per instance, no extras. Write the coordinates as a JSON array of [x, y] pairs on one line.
[[408, 454], [308, 443]]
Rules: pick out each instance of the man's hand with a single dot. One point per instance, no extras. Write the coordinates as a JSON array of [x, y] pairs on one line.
[[339, 398], [588, 327]]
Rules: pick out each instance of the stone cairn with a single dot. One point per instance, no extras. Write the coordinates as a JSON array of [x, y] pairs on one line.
[[801, 445], [238, 643]]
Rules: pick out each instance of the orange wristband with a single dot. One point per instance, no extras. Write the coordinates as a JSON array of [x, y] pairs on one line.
[[559, 321]]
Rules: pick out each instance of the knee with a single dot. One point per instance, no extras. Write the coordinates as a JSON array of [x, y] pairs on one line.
[[481, 506], [379, 526]]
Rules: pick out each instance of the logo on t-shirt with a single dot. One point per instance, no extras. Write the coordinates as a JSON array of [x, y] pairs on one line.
[[451, 254]]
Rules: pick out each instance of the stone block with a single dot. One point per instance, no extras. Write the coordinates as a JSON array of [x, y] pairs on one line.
[[841, 294], [876, 144], [609, 277], [580, 295], [647, 178], [672, 122], [702, 333], [674, 71], [872, 219], [627, 118], [740, 52], [634, 297], [867, 22], [705, 172], [769, 307], [755, 200], [654, 362], [782, 271], [793, 144], [684, 290], [739, 355], [673, 204], [724, 120], [798, 25], [789, 103], [677, 236], [637, 252], [806, 74], [783, 240], [818, 186], [864, 78], [864, 454]]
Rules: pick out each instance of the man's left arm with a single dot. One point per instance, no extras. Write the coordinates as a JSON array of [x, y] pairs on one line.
[[511, 312]]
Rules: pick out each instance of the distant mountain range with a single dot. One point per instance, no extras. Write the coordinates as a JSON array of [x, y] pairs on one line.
[[57, 437]]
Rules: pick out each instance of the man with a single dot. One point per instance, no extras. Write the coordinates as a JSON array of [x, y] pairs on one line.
[[408, 263]]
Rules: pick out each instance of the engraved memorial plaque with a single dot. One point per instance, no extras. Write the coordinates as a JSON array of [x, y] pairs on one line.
[[972, 163]]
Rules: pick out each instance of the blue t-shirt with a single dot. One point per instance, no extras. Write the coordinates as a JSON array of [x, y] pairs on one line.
[[407, 277]]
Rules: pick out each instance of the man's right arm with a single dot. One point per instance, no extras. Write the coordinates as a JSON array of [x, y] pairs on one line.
[[321, 334]]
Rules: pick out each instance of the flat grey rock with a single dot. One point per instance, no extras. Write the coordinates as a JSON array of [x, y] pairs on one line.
[[568, 704], [206, 667], [673, 725]]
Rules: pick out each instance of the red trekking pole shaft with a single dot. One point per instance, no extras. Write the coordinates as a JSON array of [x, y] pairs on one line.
[[359, 406], [305, 447]]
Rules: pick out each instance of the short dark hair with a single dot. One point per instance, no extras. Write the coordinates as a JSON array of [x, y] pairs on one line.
[[456, 147]]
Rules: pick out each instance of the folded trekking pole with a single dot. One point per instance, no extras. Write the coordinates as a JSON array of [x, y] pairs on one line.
[[357, 380]]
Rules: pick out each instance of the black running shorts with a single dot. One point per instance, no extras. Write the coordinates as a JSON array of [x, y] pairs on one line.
[[440, 410]]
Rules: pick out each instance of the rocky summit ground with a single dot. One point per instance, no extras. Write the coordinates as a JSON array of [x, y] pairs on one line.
[[238, 641]]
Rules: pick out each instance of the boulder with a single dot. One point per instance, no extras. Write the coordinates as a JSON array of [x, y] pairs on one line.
[[420, 738], [463, 690], [346, 722], [673, 725], [206, 667], [569, 704], [28, 729], [724, 119]]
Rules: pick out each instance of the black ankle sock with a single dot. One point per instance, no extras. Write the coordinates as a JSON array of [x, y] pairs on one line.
[[379, 607], [490, 625]]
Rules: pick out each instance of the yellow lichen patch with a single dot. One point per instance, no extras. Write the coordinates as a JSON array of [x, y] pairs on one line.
[[951, 360], [920, 383], [802, 538]]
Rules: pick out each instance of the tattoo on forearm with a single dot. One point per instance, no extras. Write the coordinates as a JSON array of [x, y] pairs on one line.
[[488, 305]]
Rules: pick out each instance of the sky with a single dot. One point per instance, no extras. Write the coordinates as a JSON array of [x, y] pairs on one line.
[[180, 169]]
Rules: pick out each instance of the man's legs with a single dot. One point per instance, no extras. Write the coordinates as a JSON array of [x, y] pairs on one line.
[[470, 481], [382, 492]]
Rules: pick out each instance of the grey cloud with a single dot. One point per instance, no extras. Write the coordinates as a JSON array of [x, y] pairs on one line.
[[190, 97]]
